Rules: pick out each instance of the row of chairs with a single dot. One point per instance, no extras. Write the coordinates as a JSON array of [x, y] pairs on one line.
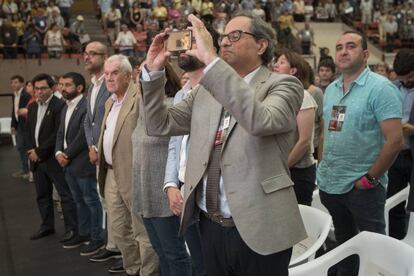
[[378, 254]]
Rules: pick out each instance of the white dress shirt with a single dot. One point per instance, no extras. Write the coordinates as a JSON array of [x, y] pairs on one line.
[[16, 103], [223, 205], [97, 83], [41, 111], [110, 124], [71, 107]]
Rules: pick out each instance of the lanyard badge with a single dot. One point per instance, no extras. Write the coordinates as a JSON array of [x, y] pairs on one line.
[[337, 118]]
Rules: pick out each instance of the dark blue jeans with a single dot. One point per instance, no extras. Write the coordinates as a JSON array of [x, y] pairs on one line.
[[22, 149], [352, 212], [304, 179], [170, 248], [399, 176], [88, 205]]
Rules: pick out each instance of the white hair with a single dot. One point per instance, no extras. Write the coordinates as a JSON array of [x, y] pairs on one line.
[[124, 64]]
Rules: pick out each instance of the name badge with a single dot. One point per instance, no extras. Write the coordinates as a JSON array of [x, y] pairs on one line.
[[337, 118]]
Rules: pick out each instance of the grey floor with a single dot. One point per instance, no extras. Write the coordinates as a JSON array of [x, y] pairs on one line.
[[19, 218]]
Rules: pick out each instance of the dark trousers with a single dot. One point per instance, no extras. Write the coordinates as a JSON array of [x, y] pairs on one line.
[[352, 212], [22, 149], [304, 179], [226, 254], [399, 176], [193, 240], [169, 246], [43, 178]]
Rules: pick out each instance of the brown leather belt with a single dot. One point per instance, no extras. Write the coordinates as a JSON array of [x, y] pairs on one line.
[[109, 167], [225, 222]]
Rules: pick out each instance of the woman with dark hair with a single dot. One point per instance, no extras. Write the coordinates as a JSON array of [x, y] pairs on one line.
[[301, 161]]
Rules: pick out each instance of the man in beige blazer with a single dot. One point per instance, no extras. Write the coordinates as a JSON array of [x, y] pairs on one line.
[[115, 168], [242, 117]]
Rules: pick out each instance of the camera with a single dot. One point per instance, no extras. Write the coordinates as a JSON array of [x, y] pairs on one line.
[[179, 41]]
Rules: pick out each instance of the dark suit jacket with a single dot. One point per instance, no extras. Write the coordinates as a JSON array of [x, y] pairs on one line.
[[47, 132], [93, 118], [77, 149], [24, 99]]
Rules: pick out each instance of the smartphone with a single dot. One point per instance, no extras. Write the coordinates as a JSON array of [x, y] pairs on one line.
[[179, 41]]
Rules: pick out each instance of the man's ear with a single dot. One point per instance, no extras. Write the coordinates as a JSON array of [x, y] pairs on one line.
[[263, 44]]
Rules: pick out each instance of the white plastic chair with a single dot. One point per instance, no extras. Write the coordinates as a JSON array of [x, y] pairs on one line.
[[5, 128], [378, 254], [393, 201], [317, 225], [409, 238], [316, 203]]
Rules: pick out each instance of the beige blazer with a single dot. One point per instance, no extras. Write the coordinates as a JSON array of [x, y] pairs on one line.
[[122, 144], [254, 156]]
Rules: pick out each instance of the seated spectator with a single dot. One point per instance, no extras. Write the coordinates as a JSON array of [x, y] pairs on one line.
[[391, 32], [24, 10], [8, 39], [123, 7], [220, 20], [160, 12], [321, 13], [174, 15], [259, 12], [346, 10], [299, 10], [113, 22], [136, 16], [78, 27], [141, 37], [366, 12], [207, 9], [287, 5], [40, 21], [305, 36], [330, 9], [33, 42], [19, 25], [125, 41], [51, 5], [9, 7], [186, 8], [286, 24], [55, 17], [54, 42], [71, 42], [309, 11]]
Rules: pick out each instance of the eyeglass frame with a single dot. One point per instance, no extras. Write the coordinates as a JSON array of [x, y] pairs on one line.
[[92, 54], [240, 32]]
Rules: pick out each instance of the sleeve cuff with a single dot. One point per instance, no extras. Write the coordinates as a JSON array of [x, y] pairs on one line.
[[210, 65], [147, 75], [58, 153], [169, 184]]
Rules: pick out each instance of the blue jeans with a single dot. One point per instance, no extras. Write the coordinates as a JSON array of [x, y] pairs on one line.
[[193, 239], [352, 212], [170, 248], [88, 206]]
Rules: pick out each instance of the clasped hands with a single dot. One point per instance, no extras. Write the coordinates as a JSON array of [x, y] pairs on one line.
[[157, 55], [62, 159]]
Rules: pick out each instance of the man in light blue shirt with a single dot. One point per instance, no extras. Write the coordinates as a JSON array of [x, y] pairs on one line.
[[400, 173], [362, 137]]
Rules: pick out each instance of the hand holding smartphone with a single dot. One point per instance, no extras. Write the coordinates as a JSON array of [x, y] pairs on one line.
[[179, 41]]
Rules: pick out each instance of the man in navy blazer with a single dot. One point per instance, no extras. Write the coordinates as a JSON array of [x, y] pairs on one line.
[[72, 155], [42, 125], [18, 122]]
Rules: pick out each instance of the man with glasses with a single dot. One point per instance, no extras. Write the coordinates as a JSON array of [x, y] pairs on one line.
[[242, 122], [94, 57], [42, 125]]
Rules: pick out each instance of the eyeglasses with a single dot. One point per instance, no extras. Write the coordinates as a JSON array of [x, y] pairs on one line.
[[92, 54], [44, 88], [234, 36]]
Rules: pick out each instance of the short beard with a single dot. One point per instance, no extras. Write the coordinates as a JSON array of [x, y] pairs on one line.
[[189, 63], [69, 96]]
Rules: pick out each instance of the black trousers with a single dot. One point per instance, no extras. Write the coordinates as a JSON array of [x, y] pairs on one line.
[[399, 176], [226, 254], [44, 179], [304, 179]]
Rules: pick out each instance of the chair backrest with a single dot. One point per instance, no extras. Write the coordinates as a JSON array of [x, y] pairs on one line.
[[379, 255], [317, 225], [393, 201], [409, 238], [5, 125], [316, 203]]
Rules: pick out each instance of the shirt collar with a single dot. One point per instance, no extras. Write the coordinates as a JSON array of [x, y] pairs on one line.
[[248, 78], [19, 92], [98, 81], [361, 80], [74, 101], [46, 102], [115, 98]]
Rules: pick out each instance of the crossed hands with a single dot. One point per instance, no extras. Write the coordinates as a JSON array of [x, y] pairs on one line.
[[157, 54], [62, 159]]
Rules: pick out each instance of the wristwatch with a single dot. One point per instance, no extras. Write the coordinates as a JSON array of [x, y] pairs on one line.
[[372, 180]]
